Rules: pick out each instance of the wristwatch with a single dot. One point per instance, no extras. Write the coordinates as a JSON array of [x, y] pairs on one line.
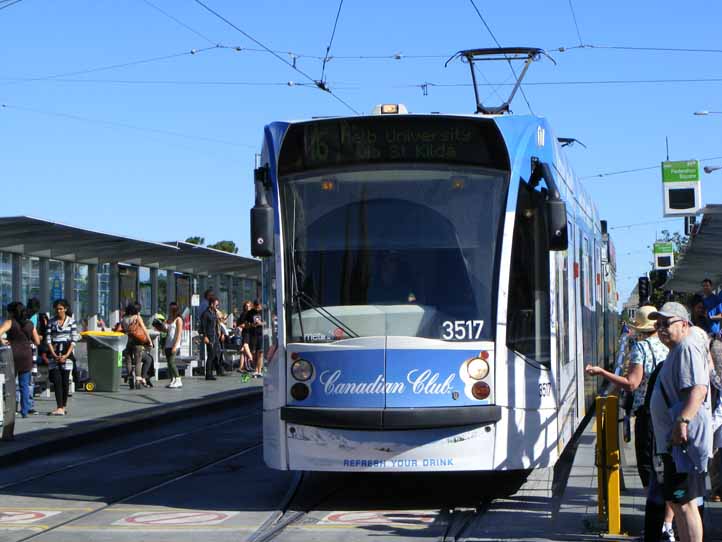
[[682, 419]]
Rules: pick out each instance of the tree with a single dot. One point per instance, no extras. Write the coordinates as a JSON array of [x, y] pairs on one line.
[[196, 240], [225, 246]]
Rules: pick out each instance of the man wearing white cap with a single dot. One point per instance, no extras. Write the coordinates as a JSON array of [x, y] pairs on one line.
[[681, 418]]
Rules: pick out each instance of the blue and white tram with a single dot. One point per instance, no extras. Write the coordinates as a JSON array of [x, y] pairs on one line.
[[436, 284]]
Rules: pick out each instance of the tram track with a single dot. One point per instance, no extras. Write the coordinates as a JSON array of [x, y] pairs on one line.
[[294, 513], [123, 451], [189, 472]]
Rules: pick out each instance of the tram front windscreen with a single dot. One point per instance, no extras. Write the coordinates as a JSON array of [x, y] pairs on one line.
[[392, 249]]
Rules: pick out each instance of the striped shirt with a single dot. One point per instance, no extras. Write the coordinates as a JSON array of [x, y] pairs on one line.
[[61, 336], [66, 332]]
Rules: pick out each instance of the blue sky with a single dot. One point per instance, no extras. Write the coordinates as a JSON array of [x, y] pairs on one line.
[[165, 149]]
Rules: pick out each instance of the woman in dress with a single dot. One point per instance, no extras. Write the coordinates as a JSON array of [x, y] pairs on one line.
[[22, 336]]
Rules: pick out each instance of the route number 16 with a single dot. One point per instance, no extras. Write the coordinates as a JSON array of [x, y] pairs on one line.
[[462, 330]]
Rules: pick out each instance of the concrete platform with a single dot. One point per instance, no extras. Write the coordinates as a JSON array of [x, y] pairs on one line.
[[560, 504], [95, 414]]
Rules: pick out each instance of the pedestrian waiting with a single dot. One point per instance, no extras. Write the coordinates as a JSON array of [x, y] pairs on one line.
[[681, 418], [647, 352], [21, 335], [60, 339], [174, 329]]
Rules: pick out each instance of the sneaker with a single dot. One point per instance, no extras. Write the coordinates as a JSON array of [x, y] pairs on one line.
[[667, 535]]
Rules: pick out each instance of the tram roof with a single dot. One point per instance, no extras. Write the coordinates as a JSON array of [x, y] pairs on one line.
[[31, 236], [703, 257]]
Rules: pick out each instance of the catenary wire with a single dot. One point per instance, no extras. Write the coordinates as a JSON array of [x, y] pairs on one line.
[[330, 42], [179, 82], [190, 52], [122, 125], [178, 21], [637, 49], [570, 83], [624, 171], [319, 84], [576, 24], [642, 223], [488, 28], [11, 3]]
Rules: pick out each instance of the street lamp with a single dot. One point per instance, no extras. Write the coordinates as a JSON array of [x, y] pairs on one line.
[[710, 169], [705, 112]]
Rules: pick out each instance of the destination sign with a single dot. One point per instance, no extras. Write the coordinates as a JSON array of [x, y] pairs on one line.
[[412, 139]]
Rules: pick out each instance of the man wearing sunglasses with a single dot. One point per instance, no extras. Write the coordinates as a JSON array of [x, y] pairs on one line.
[[681, 418]]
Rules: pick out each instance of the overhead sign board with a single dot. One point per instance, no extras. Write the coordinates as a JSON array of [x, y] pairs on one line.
[[680, 172], [663, 255], [681, 187]]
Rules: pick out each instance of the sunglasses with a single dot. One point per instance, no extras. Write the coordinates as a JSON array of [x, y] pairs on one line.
[[664, 324]]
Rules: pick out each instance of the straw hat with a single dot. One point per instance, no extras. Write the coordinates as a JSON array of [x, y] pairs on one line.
[[642, 321]]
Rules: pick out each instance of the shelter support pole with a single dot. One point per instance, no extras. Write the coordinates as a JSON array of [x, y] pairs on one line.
[[114, 294], [202, 284], [92, 290], [69, 286], [170, 281], [16, 281], [231, 294], [44, 273], [153, 290]]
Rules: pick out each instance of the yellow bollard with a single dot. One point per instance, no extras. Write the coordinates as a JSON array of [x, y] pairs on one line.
[[608, 463], [613, 464], [600, 458]]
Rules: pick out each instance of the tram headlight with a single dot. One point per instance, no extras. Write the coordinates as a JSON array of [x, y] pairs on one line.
[[299, 391], [480, 390], [477, 368], [302, 370]]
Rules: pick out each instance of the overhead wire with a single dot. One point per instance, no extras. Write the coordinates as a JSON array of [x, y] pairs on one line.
[[122, 125], [10, 3], [97, 69], [488, 28], [621, 226], [576, 24], [293, 66], [182, 82], [330, 42], [178, 21], [638, 49], [624, 171]]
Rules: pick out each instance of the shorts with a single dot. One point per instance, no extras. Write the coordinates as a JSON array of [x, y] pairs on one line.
[[681, 487], [255, 342]]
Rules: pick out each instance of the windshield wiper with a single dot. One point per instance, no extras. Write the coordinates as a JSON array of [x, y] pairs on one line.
[[303, 296]]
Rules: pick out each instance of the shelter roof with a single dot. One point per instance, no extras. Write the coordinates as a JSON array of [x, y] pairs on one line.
[[703, 257], [37, 237]]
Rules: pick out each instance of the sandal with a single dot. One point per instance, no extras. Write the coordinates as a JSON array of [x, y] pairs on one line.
[[56, 413]]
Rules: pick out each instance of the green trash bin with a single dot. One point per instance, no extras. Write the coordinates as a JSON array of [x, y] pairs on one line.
[[105, 359]]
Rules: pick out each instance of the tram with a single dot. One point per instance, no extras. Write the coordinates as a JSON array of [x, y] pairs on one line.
[[434, 286]]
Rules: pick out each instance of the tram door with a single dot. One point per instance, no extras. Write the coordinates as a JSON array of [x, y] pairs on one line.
[[566, 339]]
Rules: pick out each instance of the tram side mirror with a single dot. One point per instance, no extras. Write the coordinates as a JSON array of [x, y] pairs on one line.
[[261, 217], [262, 231], [557, 224]]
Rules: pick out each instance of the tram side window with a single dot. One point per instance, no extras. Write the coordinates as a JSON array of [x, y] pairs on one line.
[[528, 311]]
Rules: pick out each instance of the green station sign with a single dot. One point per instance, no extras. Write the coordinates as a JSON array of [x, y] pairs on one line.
[[663, 248], [683, 171]]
